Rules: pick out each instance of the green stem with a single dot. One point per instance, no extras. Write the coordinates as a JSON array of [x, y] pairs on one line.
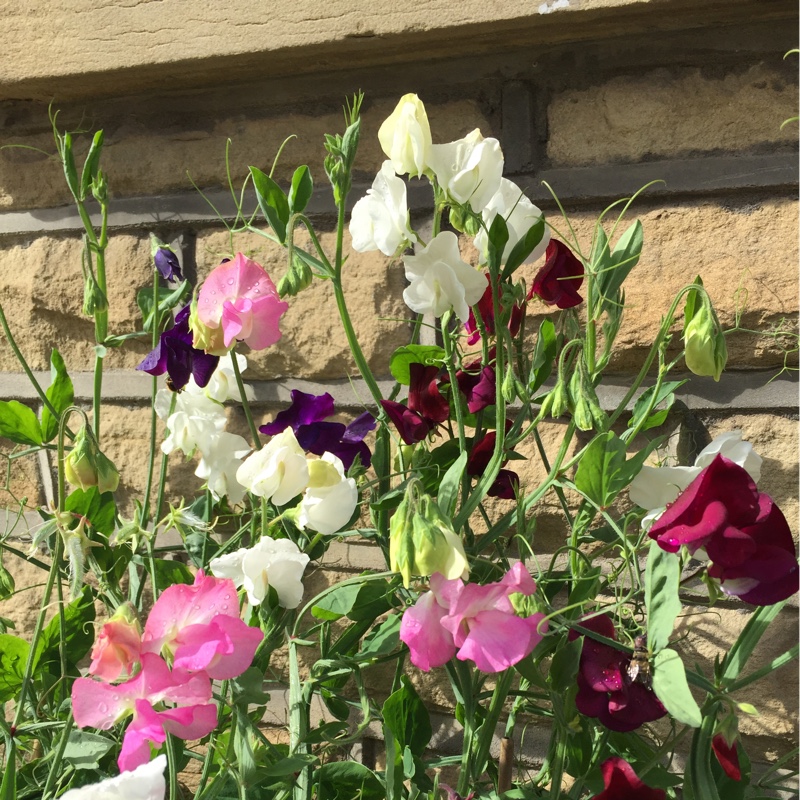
[[489, 725], [153, 416], [172, 767], [55, 768], [299, 698], [251, 423]]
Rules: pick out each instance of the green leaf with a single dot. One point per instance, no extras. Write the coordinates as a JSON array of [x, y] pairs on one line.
[[289, 765], [544, 356], [743, 647], [8, 788], [524, 247], [79, 617], [405, 715], [672, 688], [338, 603], [623, 259], [661, 583], [13, 655], [60, 393], [99, 509], [168, 573], [272, 202], [404, 357], [248, 688], [382, 640], [564, 667], [166, 302], [301, 190], [448, 488], [92, 164], [665, 395], [598, 473], [498, 238], [348, 780], [84, 750], [19, 424]]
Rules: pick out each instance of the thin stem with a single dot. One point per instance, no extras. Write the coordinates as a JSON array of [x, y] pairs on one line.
[[153, 416], [55, 769], [245, 403]]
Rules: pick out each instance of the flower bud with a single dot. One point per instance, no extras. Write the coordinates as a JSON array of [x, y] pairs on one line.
[[405, 137], [86, 466], [705, 350], [117, 647], [165, 260]]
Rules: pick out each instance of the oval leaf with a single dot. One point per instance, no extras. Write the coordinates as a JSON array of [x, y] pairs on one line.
[[672, 689]]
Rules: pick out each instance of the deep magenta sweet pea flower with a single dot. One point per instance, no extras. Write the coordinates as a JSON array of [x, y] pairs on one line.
[[728, 757], [558, 281], [605, 689], [200, 626], [306, 417], [175, 355], [478, 385], [507, 482], [100, 705], [622, 783], [486, 308], [721, 515], [472, 622], [426, 408], [239, 300]]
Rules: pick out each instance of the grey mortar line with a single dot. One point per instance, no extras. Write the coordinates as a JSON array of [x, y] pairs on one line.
[[692, 177], [750, 390]]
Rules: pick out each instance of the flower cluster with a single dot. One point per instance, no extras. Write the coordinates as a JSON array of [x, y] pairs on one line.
[[472, 622], [198, 629]]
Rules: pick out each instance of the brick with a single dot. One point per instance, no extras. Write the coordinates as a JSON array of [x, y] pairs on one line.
[[614, 121], [313, 344]]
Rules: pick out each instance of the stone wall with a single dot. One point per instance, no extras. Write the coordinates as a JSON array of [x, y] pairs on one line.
[[596, 97]]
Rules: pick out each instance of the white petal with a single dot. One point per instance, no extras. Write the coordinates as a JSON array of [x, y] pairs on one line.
[[229, 566], [655, 487], [146, 782]]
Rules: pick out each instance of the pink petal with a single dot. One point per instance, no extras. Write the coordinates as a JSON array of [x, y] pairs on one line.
[[232, 323], [497, 640], [193, 722], [145, 728], [266, 314], [421, 629], [98, 705], [224, 648], [115, 651]]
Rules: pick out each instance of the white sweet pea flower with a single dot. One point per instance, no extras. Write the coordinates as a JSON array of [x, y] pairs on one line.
[[380, 219], [440, 279], [195, 421], [520, 216], [330, 499], [469, 169], [405, 137], [222, 385], [278, 471], [220, 463], [146, 782], [654, 488], [271, 562]]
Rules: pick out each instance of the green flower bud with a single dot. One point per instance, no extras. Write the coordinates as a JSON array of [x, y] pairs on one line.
[[705, 350], [508, 387], [560, 401], [86, 466]]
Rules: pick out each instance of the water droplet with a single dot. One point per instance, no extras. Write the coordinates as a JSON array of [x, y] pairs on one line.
[[230, 281], [224, 606], [257, 291], [227, 597]]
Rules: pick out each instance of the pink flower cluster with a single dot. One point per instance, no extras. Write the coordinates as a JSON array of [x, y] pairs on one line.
[[198, 628], [472, 622]]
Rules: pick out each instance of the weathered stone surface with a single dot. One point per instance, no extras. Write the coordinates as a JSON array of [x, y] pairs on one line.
[[664, 113], [19, 478], [23, 607], [313, 344], [43, 296]]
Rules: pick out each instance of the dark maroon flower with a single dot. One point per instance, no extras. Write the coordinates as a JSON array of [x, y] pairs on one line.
[[605, 690], [743, 533], [477, 385], [558, 281], [507, 482], [622, 783], [426, 408], [306, 417], [175, 355], [486, 308], [727, 756], [168, 265]]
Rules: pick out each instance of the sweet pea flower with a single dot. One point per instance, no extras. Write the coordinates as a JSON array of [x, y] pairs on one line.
[[117, 646], [100, 705], [520, 215], [306, 417], [278, 471], [176, 355], [622, 783], [507, 482], [270, 562], [222, 385], [200, 626], [426, 408], [239, 301], [330, 498], [440, 280], [472, 622], [405, 137], [558, 281], [146, 782], [469, 170], [478, 384], [728, 756], [485, 307], [222, 457], [167, 264], [605, 690], [380, 219]]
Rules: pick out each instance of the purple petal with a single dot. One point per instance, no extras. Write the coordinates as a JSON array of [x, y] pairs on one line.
[[304, 410], [179, 361], [155, 362], [319, 436], [167, 264], [203, 367], [359, 427]]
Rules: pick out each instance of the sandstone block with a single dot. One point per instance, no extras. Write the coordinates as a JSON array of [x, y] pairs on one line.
[[19, 479], [615, 121], [313, 344]]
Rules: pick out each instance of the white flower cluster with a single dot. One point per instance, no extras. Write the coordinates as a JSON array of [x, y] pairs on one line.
[[470, 173]]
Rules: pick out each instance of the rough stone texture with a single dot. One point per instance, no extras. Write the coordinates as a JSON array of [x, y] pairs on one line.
[[149, 153], [43, 296], [19, 479], [313, 344], [663, 114]]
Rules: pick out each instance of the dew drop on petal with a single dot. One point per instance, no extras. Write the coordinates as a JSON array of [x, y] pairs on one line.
[[102, 708]]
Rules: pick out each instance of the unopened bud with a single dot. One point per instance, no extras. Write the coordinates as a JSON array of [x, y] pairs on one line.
[[86, 466]]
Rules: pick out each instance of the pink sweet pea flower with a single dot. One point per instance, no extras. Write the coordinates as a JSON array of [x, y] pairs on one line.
[[472, 622], [101, 705], [200, 626], [116, 649], [622, 783], [241, 298]]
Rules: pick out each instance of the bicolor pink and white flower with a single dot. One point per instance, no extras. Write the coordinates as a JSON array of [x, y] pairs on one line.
[[238, 300], [472, 622]]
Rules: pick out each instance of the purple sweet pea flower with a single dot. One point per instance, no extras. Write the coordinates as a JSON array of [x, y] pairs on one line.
[[605, 690], [167, 264], [175, 355], [306, 417], [478, 387]]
